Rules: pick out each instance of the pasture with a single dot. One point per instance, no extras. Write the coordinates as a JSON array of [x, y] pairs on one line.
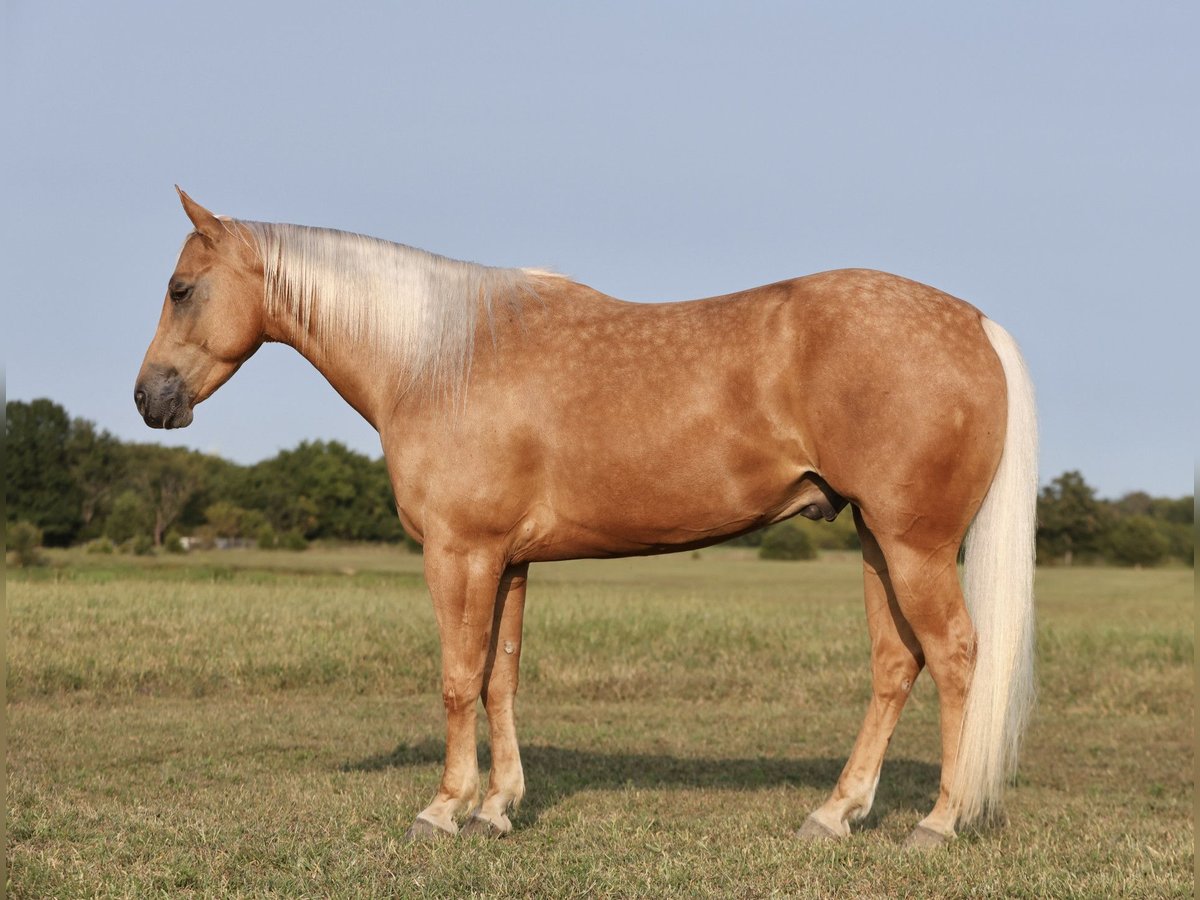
[[267, 724]]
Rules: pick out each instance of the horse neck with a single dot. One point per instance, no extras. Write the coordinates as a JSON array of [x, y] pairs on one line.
[[346, 364], [376, 386], [380, 385]]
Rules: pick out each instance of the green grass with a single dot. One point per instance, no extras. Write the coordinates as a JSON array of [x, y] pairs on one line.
[[267, 724]]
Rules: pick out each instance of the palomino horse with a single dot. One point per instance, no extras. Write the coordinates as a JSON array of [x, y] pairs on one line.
[[525, 417]]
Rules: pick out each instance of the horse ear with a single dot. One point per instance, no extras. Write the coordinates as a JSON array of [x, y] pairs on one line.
[[207, 225]]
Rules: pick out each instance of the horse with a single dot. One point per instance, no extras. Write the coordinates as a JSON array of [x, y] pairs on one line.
[[525, 417]]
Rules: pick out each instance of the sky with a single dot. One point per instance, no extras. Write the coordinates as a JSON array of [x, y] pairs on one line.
[[1038, 160]]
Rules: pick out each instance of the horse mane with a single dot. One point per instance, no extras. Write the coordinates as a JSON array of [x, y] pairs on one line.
[[412, 311]]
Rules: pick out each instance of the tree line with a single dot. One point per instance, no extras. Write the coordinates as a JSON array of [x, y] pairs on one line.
[[78, 483], [1074, 525]]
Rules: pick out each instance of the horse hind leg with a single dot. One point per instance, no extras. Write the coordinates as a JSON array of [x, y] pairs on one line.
[[896, 660], [506, 783], [925, 578]]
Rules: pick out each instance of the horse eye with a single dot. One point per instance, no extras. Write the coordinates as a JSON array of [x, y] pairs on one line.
[[179, 291]]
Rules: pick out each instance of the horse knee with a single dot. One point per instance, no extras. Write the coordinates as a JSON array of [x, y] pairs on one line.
[[460, 692], [500, 689]]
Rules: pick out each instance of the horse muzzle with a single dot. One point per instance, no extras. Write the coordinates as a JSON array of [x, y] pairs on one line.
[[162, 399]]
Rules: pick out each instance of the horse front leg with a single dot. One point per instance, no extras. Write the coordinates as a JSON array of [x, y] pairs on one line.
[[506, 784], [464, 589]]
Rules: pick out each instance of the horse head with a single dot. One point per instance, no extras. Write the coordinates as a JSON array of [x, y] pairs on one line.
[[212, 320]]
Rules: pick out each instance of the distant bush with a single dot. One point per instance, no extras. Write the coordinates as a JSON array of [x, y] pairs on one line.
[[292, 540], [142, 545], [840, 534], [266, 538], [99, 545], [1181, 539], [24, 539], [786, 542], [1137, 541], [203, 538], [129, 518], [174, 543]]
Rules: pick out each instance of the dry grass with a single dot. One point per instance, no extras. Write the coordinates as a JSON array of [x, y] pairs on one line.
[[267, 725]]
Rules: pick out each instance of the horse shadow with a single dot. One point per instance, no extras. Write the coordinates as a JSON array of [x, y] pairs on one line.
[[561, 772]]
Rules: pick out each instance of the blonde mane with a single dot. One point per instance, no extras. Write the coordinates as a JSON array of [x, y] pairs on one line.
[[412, 311]]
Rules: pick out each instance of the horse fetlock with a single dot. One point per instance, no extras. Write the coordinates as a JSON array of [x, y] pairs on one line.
[[501, 800], [495, 808], [859, 810], [510, 787], [452, 801]]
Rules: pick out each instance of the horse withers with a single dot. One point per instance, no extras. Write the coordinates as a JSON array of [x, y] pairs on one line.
[[525, 417]]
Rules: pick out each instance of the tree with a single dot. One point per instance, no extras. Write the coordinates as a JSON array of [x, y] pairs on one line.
[[167, 478], [1181, 510], [97, 465], [1173, 518], [225, 519], [231, 521], [129, 518], [40, 487], [1137, 541], [1135, 503], [219, 480], [23, 539], [1070, 518], [324, 490], [1182, 541], [1176, 520]]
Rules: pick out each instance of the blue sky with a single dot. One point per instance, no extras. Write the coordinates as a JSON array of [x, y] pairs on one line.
[[1038, 160]]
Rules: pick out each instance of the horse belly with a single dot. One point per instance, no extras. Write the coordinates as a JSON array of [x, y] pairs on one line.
[[659, 451], [629, 501]]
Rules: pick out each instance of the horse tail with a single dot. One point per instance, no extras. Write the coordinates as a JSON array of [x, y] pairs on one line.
[[998, 586]]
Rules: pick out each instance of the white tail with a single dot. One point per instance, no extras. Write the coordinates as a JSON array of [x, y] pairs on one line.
[[998, 585]]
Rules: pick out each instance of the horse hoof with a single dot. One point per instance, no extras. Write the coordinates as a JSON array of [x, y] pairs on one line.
[[424, 830], [816, 831], [923, 838], [477, 826]]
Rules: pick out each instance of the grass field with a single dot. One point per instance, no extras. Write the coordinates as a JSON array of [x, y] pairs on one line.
[[267, 724]]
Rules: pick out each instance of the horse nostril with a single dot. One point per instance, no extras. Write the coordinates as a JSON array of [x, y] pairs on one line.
[[139, 399]]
